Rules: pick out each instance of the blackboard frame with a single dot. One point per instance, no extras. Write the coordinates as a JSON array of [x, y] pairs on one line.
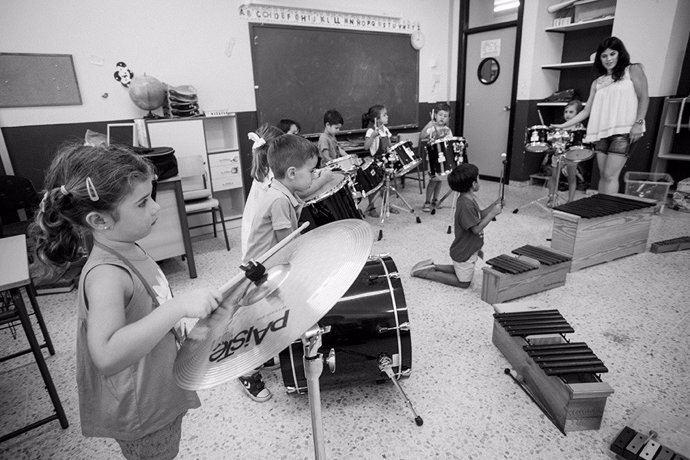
[[38, 80], [301, 98]]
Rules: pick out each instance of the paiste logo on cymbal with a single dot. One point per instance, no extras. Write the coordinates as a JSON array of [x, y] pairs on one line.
[[246, 337]]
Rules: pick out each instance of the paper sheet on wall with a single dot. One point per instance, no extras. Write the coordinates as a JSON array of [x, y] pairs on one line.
[[490, 48]]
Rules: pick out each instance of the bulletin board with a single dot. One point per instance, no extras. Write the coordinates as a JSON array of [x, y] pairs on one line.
[[301, 72], [34, 80]]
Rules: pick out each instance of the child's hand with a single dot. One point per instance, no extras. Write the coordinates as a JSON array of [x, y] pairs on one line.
[[199, 303], [496, 208]]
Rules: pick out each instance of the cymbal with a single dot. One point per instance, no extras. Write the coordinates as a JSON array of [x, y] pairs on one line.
[[305, 279]]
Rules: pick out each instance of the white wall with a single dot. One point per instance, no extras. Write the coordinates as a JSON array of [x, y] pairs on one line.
[[203, 43], [655, 33]]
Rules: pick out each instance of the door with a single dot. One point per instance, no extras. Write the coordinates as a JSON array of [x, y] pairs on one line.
[[488, 97]]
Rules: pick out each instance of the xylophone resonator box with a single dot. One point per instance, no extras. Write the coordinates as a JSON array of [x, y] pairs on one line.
[[561, 375], [602, 228], [535, 269]]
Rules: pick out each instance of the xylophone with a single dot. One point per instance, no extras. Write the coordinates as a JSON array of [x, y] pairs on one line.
[[675, 244], [602, 228], [535, 269], [629, 444], [562, 377]]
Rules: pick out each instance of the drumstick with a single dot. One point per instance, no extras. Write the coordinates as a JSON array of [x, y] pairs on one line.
[[540, 117], [237, 279]]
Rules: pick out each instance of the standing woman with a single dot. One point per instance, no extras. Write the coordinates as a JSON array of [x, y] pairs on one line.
[[617, 106]]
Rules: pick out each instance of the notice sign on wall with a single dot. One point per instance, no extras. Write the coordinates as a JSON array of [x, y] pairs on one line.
[[307, 17], [490, 48]]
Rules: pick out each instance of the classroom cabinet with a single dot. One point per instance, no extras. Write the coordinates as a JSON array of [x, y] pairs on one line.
[[216, 138], [673, 140]]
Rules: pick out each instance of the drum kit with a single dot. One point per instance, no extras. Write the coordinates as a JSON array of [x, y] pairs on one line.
[[358, 178], [568, 146], [313, 289]]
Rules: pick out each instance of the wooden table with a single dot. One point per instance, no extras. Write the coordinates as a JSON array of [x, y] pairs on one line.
[[170, 236], [13, 277]]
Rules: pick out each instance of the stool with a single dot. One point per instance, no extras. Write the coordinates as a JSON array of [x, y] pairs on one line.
[[13, 278]]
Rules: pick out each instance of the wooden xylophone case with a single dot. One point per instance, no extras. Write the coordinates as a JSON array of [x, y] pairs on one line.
[[562, 376], [602, 228], [535, 269]]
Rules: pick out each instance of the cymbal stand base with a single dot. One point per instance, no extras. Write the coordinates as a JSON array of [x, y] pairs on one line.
[[386, 365], [386, 203], [553, 199], [313, 366]]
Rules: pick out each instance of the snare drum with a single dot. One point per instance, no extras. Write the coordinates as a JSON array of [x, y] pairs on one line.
[[577, 150], [405, 158], [559, 139], [331, 202], [536, 139], [348, 163], [445, 154], [370, 319], [369, 177]]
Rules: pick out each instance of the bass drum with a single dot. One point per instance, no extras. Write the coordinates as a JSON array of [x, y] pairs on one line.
[[368, 321]]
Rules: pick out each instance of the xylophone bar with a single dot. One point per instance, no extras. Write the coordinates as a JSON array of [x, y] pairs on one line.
[[518, 314], [507, 264], [524, 332], [601, 205], [536, 349], [543, 255], [594, 369], [564, 357]]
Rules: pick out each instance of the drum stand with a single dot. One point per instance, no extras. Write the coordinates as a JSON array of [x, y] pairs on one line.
[[553, 199], [386, 200], [313, 366]]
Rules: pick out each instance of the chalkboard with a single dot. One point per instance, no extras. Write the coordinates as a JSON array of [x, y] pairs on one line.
[[301, 72], [32, 80]]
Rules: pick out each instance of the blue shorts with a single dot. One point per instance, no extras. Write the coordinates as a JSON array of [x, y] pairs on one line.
[[618, 143]]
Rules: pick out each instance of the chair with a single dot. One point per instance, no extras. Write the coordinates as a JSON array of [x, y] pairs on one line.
[[18, 200], [419, 170], [196, 190]]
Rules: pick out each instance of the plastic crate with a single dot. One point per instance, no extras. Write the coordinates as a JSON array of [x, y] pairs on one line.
[[653, 186]]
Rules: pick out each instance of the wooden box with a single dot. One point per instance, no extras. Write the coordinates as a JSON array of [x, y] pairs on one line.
[[572, 406], [500, 287], [601, 239]]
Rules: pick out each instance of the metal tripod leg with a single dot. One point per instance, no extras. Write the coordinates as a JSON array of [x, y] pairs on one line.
[[386, 202], [553, 198]]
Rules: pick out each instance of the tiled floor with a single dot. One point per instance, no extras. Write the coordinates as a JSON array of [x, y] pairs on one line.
[[634, 312]]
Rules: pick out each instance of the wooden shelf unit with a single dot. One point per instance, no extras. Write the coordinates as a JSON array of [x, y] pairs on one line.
[[216, 138], [607, 21], [667, 133]]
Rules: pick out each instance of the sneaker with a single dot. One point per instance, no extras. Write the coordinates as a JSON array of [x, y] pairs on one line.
[[255, 388], [271, 364], [421, 265], [426, 207], [372, 212], [433, 203]]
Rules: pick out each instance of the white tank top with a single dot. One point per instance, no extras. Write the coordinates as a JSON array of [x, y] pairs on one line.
[[614, 108]]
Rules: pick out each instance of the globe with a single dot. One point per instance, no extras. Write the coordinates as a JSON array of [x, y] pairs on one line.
[[148, 93]]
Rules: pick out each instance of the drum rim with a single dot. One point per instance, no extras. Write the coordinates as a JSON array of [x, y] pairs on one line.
[[538, 127], [578, 160], [397, 144], [331, 191], [408, 167]]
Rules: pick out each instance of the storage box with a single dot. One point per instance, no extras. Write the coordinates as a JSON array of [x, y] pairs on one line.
[[586, 10], [653, 186]]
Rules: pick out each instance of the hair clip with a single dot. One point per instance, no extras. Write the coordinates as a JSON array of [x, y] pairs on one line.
[[258, 141], [63, 190], [91, 189]]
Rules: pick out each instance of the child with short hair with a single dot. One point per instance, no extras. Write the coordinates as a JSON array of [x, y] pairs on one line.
[[262, 177], [328, 144], [292, 159], [435, 130], [550, 162], [126, 316], [289, 126], [469, 223]]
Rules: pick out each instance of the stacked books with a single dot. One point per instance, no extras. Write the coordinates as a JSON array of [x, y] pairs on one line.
[[181, 102]]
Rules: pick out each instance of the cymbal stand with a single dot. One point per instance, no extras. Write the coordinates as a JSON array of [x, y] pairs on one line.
[[386, 200], [386, 365], [313, 366], [553, 199]]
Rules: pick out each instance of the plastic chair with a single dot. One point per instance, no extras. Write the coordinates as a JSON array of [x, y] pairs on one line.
[[18, 201], [419, 170], [197, 193]]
